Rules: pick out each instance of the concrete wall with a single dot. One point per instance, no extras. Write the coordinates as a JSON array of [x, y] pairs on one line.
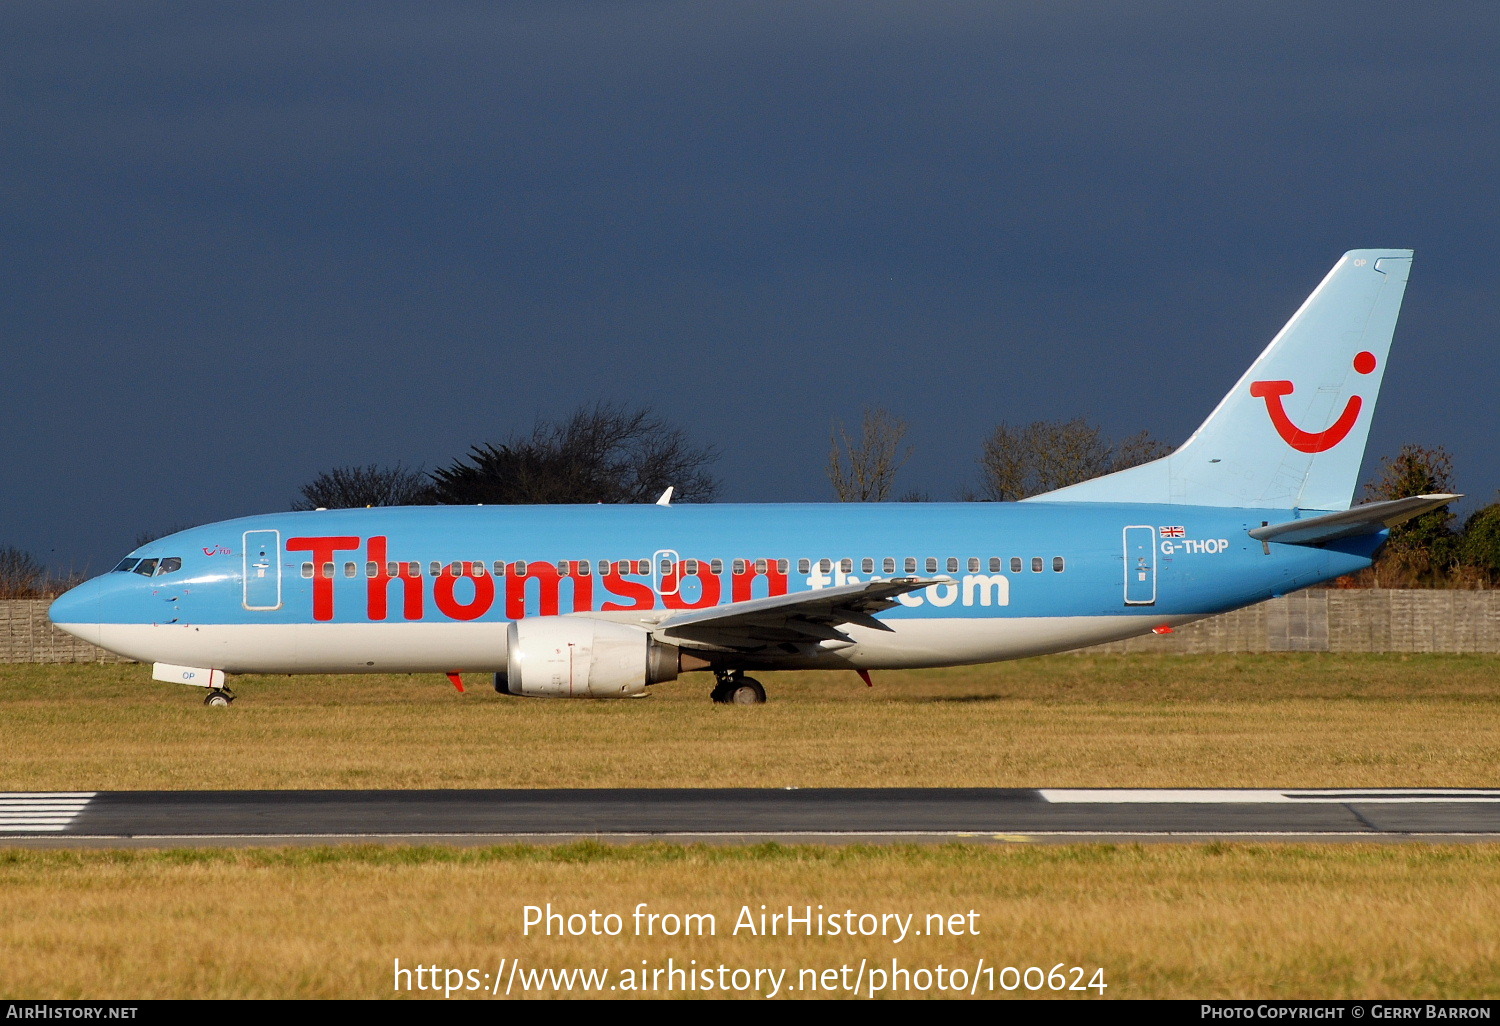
[[27, 636], [1377, 620], [1352, 620]]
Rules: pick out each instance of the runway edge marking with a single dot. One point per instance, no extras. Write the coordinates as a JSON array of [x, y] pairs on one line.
[[1264, 796]]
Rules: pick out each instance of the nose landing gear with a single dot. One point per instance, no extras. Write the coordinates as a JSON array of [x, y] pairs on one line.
[[734, 688]]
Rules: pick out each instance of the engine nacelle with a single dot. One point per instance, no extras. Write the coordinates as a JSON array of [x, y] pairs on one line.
[[579, 657]]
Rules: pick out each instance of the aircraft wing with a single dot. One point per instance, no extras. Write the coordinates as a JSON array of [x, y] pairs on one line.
[[1366, 519], [801, 618]]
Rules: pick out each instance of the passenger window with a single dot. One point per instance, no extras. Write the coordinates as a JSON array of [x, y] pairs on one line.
[[804, 566], [643, 566], [716, 566], [307, 571], [761, 566], [351, 570], [434, 568], [825, 565], [1036, 564], [888, 565], [477, 568], [953, 564], [994, 564], [781, 566], [739, 566], [1015, 564], [911, 564], [666, 567], [846, 565], [584, 568], [328, 571], [690, 566], [562, 568], [169, 565], [932, 564], [146, 567], [1058, 566], [973, 564], [520, 568]]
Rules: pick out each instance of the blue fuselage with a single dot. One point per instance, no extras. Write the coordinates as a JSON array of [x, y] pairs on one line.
[[1058, 574]]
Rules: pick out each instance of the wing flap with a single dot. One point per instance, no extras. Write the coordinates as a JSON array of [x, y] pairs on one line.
[[801, 617]]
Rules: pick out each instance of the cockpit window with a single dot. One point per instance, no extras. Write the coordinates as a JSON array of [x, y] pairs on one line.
[[151, 567]]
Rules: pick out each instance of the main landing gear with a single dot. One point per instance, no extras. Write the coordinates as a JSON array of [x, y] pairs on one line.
[[734, 688], [218, 697]]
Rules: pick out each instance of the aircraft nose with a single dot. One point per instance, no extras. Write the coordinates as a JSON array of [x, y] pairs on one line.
[[77, 611]]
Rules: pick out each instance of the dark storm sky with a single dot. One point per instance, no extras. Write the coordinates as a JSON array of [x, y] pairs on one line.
[[246, 243]]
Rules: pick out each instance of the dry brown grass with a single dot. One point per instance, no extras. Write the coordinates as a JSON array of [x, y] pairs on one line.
[[1199, 921], [1066, 721]]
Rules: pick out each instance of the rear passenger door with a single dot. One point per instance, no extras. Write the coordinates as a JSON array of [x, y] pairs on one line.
[[1140, 566]]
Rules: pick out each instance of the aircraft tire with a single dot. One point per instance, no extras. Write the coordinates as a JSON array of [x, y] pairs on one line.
[[747, 691], [217, 698]]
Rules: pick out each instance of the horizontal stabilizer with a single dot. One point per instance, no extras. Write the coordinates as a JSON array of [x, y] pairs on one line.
[[1366, 519]]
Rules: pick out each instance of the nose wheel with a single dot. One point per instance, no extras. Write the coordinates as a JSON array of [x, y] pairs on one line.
[[218, 697], [734, 688]]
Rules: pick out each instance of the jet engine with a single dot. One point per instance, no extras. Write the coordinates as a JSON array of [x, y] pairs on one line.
[[580, 657]]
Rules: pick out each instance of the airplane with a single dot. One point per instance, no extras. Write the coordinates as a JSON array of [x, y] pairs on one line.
[[605, 601]]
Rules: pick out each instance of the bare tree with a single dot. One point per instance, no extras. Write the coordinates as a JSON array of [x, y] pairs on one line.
[[1137, 449], [357, 487], [603, 453], [865, 471], [21, 576], [1046, 455]]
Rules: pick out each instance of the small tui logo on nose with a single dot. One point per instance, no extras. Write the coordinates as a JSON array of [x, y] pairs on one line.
[[1311, 441]]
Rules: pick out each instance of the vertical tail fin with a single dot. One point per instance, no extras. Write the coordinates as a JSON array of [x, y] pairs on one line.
[[1291, 434]]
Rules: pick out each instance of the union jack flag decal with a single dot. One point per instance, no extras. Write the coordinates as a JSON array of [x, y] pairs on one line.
[[1172, 532]]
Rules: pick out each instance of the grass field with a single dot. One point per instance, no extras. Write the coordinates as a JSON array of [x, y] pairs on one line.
[[1183, 921], [1219, 920], [1066, 721]]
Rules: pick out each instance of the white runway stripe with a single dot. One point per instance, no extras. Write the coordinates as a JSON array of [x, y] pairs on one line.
[[35, 812], [27, 795], [1248, 796]]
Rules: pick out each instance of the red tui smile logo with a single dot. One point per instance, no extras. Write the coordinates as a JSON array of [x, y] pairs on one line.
[[1311, 441]]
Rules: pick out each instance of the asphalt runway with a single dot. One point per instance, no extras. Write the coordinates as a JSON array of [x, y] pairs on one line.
[[830, 815]]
